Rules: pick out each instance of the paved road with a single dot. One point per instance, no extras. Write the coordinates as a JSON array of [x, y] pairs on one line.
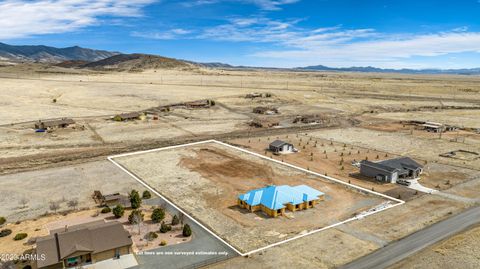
[[202, 241], [405, 247]]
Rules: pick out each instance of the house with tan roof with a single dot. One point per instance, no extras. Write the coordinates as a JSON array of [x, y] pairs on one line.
[[83, 244]]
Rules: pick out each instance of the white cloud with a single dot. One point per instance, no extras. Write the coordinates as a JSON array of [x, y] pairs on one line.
[[380, 50], [271, 4], [252, 29], [199, 3], [23, 18], [165, 35], [262, 4]]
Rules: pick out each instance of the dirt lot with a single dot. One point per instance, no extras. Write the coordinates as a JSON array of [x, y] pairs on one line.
[[205, 180], [92, 97], [341, 245], [325, 157], [355, 99], [460, 251], [60, 184], [461, 118], [327, 249], [399, 143]]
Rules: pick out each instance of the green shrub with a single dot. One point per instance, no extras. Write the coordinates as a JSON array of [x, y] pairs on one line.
[[164, 228], [135, 200], [158, 215], [106, 210], [151, 236], [175, 220], [2, 220], [118, 211], [5, 232], [146, 195], [135, 217], [20, 236], [163, 243], [187, 231]]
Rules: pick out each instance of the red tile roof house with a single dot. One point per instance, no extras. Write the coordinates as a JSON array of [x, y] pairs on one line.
[[83, 244]]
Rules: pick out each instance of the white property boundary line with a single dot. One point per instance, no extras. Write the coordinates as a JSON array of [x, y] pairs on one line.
[[110, 158]]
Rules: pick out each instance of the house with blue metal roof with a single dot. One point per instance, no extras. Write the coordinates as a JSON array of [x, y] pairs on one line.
[[273, 200]]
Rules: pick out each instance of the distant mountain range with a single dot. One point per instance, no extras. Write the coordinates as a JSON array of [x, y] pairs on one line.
[[47, 54], [370, 69], [77, 57]]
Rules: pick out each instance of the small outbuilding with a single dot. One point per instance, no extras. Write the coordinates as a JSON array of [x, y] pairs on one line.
[[110, 200], [281, 147], [127, 116], [391, 170], [273, 200], [265, 110]]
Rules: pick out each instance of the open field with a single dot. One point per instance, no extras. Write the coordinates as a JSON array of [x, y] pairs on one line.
[[59, 184], [345, 243], [401, 144], [462, 118], [364, 110], [205, 180], [335, 157], [92, 97]]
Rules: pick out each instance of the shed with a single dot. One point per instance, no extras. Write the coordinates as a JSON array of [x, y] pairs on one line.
[[281, 147], [127, 116], [264, 122]]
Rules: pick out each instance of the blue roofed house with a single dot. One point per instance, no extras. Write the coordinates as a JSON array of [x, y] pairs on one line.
[[273, 200]]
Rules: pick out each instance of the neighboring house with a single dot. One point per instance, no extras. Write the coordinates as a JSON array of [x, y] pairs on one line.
[[83, 244], [310, 119], [391, 170], [273, 200], [279, 146], [200, 104], [265, 110], [438, 127], [127, 116], [434, 127], [264, 123], [59, 123]]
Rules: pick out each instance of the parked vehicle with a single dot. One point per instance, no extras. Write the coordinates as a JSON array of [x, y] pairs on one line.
[[403, 182]]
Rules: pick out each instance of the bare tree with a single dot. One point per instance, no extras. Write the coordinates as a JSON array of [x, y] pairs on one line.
[[73, 203], [54, 206], [23, 202], [136, 219], [181, 217]]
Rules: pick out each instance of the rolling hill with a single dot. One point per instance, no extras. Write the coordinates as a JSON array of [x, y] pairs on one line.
[[137, 62], [46, 54]]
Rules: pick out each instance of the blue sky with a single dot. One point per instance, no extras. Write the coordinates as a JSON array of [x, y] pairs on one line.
[[276, 33]]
